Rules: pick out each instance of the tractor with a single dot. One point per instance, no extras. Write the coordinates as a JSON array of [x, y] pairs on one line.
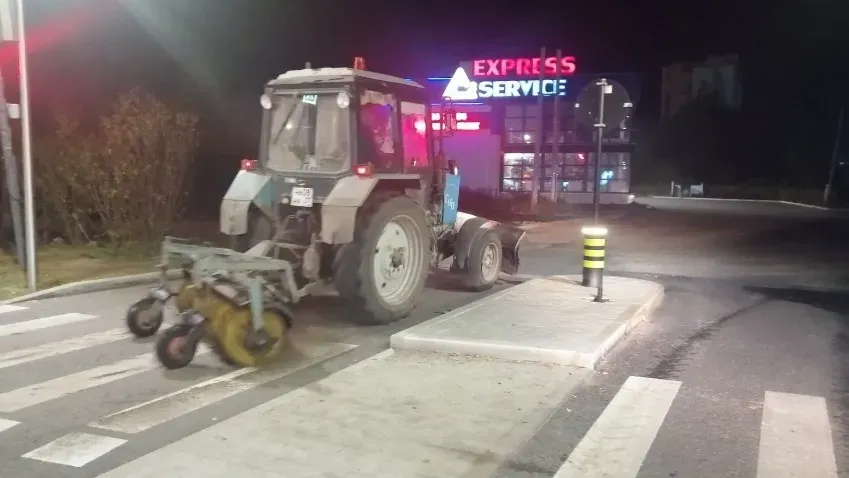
[[350, 190]]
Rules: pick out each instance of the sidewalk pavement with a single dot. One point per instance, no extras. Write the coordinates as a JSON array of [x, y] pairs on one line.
[[404, 413], [549, 320]]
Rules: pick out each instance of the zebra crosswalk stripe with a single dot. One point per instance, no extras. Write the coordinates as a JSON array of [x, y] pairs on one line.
[[39, 393], [43, 323], [163, 409], [795, 437], [619, 440], [51, 349]]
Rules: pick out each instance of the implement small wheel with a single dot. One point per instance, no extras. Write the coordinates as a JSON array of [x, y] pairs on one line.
[[483, 263], [145, 317], [174, 349]]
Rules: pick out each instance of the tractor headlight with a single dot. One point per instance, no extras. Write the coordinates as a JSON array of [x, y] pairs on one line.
[[265, 101], [343, 100]]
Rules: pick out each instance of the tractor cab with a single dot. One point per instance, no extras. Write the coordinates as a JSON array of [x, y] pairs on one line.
[[332, 122]]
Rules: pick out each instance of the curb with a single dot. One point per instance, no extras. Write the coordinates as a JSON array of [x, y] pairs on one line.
[[504, 349], [762, 201], [639, 314], [94, 285]]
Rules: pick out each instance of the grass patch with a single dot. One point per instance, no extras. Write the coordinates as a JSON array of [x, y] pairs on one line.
[[60, 264]]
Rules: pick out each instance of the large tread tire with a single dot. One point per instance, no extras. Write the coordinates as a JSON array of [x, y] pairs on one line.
[[355, 276], [260, 229], [486, 243]]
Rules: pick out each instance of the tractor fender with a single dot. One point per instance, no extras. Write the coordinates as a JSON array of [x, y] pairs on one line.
[[248, 188], [339, 209], [469, 227]]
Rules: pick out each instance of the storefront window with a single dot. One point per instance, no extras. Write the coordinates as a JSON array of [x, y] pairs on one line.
[[414, 135], [521, 123]]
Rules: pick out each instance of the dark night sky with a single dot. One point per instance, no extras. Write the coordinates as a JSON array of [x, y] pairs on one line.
[[215, 55], [227, 47]]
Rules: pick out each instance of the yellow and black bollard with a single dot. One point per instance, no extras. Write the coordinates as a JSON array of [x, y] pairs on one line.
[[595, 241]]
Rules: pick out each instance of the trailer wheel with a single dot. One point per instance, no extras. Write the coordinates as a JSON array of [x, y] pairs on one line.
[[145, 317], [259, 229], [383, 272], [173, 349], [483, 262]]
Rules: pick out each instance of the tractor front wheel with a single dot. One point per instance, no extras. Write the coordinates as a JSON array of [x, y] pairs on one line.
[[383, 272]]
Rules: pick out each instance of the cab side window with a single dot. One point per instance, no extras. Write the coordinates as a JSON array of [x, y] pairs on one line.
[[414, 134], [377, 135]]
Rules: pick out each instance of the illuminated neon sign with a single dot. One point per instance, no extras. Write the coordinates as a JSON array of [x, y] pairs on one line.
[[523, 66], [461, 88], [462, 123]]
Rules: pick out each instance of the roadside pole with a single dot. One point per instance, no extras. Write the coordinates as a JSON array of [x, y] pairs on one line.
[[540, 135], [26, 149], [832, 170], [554, 162], [13, 180], [603, 89]]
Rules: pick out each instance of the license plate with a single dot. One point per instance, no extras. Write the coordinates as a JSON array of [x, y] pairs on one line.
[[160, 294], [302, 197]]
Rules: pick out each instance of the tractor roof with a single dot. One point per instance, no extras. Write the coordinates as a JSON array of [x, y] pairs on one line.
[[335, 75]]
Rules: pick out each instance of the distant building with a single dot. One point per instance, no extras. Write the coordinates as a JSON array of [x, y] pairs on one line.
[[682, 82]]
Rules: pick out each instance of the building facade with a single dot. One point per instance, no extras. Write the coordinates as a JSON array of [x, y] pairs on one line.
[[499, 123], [683, 82]]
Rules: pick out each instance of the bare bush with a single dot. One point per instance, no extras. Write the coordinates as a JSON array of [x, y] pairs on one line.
[[124, 182]]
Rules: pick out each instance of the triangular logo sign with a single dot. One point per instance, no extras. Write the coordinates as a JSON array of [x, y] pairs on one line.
[[461, 88]]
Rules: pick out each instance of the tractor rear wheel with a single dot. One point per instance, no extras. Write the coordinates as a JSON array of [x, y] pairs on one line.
[[382, 273]]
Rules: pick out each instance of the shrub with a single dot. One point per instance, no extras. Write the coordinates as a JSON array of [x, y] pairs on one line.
[[126, 181]]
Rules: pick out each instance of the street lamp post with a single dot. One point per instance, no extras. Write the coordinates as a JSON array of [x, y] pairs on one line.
[[26, 150]]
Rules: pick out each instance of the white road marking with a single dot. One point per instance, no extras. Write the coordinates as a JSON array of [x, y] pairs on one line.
[[147, 415], [50, 349], [75, 449], [619, 440], [43, 323], [5, 309], [7, 424], [795, 437], [38, 393]]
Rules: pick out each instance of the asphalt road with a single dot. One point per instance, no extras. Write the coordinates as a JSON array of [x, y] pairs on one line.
[[753, 307], [753, 333], [72, 378]]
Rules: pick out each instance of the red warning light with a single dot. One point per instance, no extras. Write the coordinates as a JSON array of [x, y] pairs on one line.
[[359, 63]]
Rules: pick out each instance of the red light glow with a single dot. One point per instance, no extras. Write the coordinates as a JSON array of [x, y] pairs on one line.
[[461, 126], [523, 66], [248, 164], [364, 170]]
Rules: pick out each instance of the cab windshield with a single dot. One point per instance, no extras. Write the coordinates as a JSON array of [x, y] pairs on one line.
[[309, 132]]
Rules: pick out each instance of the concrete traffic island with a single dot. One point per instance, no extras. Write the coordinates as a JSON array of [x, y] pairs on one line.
[[550, 320]]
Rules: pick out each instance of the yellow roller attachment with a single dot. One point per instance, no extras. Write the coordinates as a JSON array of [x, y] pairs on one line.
[[218, 310], [236, 328], [186, 296]]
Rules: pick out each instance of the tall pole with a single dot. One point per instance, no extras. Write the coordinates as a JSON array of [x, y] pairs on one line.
[[555, 130], [540, 135], [26, 137], [602, 90], [13, 178], [832, 170]]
